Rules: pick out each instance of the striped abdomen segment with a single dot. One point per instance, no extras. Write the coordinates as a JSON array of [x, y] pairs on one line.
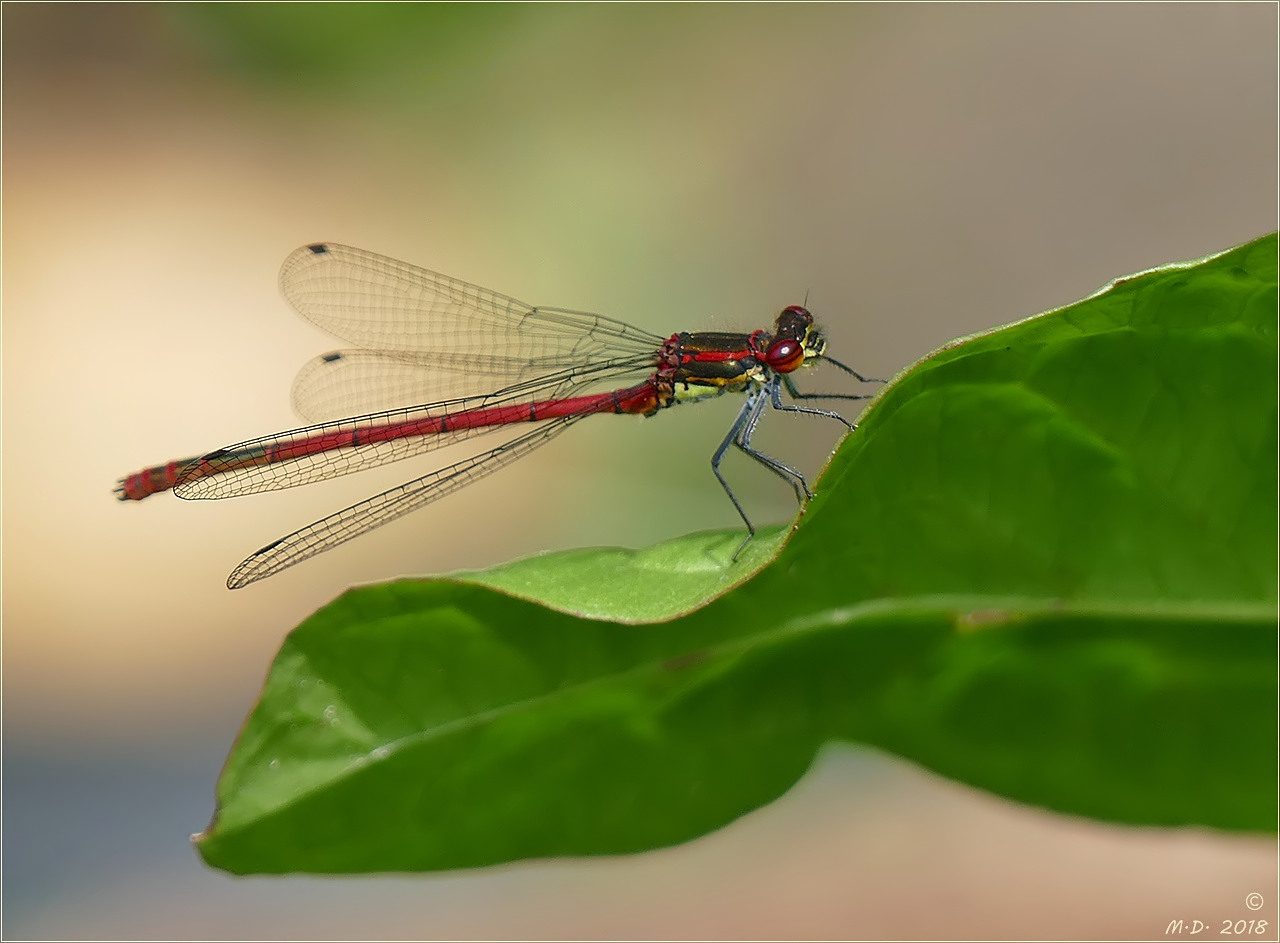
[[151, 481]]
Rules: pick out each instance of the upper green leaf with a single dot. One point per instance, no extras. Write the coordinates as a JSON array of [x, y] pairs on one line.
[[649, 585], [1045, 564]]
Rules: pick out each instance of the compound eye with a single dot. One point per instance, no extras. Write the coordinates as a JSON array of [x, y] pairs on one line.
[[797, 311], [784, 355]]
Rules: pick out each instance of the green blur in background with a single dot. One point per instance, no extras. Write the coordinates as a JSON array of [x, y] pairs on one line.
[[322, 43]]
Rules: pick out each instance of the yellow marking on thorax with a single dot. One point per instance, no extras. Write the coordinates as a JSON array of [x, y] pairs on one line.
[[706, 387]]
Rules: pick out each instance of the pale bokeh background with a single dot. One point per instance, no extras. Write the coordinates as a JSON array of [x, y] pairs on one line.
[[922, 172]]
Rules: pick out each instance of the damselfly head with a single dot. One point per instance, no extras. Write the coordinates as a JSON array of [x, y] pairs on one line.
[[795, 339], [797, 322]]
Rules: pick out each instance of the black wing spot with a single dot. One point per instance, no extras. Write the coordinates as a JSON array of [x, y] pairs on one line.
[[318, 248], [331, 358]]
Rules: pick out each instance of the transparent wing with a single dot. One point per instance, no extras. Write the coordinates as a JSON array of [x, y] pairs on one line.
[[382, 304], [357, 382], [374, 512]]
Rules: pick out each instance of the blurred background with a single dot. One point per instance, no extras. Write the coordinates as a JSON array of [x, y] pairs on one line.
[[919, 172]]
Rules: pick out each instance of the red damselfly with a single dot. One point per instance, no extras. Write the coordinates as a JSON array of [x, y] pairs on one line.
[[478, 361]]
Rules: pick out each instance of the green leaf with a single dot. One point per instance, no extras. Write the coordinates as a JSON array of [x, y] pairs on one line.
[[649, 585], [1045, 565]]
